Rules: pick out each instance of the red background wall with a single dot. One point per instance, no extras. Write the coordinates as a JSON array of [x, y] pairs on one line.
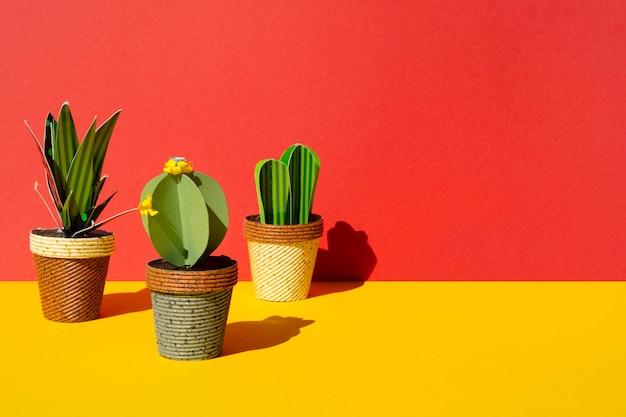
[[460, 140]]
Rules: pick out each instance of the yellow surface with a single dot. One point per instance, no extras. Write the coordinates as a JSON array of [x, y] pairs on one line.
[[378, 349]]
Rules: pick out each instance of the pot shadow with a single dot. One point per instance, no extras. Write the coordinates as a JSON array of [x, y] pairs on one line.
[[244, 336], [125, 302], [346, 264]]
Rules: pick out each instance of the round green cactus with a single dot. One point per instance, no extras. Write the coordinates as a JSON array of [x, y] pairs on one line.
[[184, 212]]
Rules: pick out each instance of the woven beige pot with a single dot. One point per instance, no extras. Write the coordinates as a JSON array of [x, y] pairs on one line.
[[190, 306], [282, 258], [71, 273]]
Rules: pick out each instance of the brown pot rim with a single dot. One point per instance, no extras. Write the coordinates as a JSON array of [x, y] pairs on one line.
[[254, 230], [215, 273]]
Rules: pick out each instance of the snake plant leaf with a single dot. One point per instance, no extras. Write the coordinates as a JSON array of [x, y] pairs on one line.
[[103, 136], [304, 166], [69, 214], [80, 178], [216, 206], [65, 143], [272, 184], [93, 213], [97, 189], [57, 183], [47, 161], [180, 231], [47, 137]]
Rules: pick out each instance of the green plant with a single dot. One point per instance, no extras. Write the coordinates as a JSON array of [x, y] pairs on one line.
[[73, 171], [285, 187], [184, 213]]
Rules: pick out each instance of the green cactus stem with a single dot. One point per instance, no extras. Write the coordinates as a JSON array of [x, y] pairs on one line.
[[189, 216], [304, 168], [272, 180], [286, 187]]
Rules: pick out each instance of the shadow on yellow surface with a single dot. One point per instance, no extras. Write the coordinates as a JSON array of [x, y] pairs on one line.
[[324, 288], [125, 302], [244, 336]]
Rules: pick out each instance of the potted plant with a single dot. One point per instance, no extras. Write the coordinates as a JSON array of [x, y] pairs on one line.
[[283, 238], [185, 215], [71, 260]]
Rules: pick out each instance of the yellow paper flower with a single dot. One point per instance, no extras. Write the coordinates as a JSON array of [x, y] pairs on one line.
[[145, 207], [177, 166]]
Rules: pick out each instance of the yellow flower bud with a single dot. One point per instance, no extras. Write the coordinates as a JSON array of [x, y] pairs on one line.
[[185, 166], [177, 166], [145, 207]]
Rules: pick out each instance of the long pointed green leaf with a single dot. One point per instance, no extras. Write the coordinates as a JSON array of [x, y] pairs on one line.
[[65, 144], [47, 139], [60, 180], [80, 178], [69, 213], [94, 212], [103, 136], [97, 189], [52, 187]]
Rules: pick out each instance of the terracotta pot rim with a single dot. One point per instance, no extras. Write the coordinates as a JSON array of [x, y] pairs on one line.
[[290, 233], [257, 219], [216, 273]]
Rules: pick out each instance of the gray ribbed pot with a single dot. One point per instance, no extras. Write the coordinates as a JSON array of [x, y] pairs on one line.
[[190, 306]]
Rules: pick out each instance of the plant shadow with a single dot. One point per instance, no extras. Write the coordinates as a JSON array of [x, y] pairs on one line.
[[245, 336], [347, 263], [125, 302], [324, 288]]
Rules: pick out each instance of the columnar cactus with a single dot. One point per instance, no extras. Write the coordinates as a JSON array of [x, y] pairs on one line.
[[285, 187], [184, 213]]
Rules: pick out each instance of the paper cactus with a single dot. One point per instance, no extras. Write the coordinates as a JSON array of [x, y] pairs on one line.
[[73, 171], [285, 187], [184, 213]]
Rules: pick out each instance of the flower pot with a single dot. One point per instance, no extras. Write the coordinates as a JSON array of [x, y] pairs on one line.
[[71, 273], [190, 306], [282, 258]]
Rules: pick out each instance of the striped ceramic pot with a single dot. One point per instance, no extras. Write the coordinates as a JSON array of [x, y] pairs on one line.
[[71, 273], [282, 258], [190, 306]]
